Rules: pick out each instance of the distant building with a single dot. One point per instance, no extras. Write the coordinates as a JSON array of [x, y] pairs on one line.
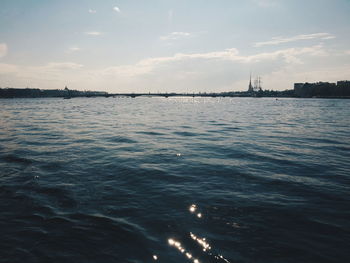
[[38, 93], [343, 84], [257, 85], [250, 87], [322, 89]]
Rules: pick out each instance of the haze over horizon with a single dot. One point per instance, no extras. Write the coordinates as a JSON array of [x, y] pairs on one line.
[[172, 46]]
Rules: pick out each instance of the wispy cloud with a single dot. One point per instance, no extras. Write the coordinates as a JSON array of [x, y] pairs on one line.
[[50, 68], [175, 36], [92, 11], [93, 33], [219, 69], [117, 9], [52, 75], [281, 40], [146, 66], [8, 68], [3, 49], [63, 66], [74, 49], [232, 54]]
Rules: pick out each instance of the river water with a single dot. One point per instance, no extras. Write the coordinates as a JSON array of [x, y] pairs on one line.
[[174, 180]]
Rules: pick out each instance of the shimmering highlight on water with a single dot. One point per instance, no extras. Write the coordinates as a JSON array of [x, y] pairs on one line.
[[174, 180]]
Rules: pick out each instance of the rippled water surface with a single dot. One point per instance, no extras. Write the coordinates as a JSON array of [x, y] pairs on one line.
[[174, 180]]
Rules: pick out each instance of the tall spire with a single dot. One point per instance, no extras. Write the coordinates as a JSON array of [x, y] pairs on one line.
[[250, 88]]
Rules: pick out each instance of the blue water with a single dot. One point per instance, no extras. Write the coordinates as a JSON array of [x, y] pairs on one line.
[[174, 180]]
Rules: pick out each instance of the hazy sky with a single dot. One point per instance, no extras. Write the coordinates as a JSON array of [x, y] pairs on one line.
[[172, 45]]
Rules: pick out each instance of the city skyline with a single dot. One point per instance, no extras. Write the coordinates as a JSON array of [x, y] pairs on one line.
[[172, 46]]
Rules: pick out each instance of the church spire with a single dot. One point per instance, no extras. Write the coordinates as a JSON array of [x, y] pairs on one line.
[[250, 87]]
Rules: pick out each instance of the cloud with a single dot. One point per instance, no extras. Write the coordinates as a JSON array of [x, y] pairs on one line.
[[290, 55], [73, 49], [8, 69], [347, 52], [91, 11], [51, 75], [93, 33], [232, 54], [220, 70], [146, 66], [3, 49], [175, 36], [41, 70], [63, 66], [117, 9], [280, 40], [285, 77]]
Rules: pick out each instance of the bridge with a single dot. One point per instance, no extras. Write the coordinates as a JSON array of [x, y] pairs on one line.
[[166, 95]]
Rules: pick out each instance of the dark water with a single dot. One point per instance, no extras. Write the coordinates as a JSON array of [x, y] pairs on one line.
[[147, 179]]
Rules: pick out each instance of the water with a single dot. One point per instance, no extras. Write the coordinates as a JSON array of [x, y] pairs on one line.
[[147, 179]]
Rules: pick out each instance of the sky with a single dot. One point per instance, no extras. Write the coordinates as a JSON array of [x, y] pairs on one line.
[[123, 46]]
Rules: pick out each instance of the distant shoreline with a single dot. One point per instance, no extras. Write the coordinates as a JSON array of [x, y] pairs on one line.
[[12, 93]]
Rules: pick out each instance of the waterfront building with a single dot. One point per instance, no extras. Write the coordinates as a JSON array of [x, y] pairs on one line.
[[322, 89]]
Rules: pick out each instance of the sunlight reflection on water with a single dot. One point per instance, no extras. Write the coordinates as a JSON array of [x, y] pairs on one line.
[[173, 180]]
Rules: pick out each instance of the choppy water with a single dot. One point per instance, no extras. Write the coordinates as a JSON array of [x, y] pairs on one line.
[[174, 180]]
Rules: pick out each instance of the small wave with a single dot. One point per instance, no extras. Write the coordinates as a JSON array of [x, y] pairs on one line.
[[17, 159], [59, 196], [150, 133], [119, 139], [186, 134], [324, 141]]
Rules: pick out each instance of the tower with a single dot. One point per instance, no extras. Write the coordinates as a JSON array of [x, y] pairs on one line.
[[250, 87]]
